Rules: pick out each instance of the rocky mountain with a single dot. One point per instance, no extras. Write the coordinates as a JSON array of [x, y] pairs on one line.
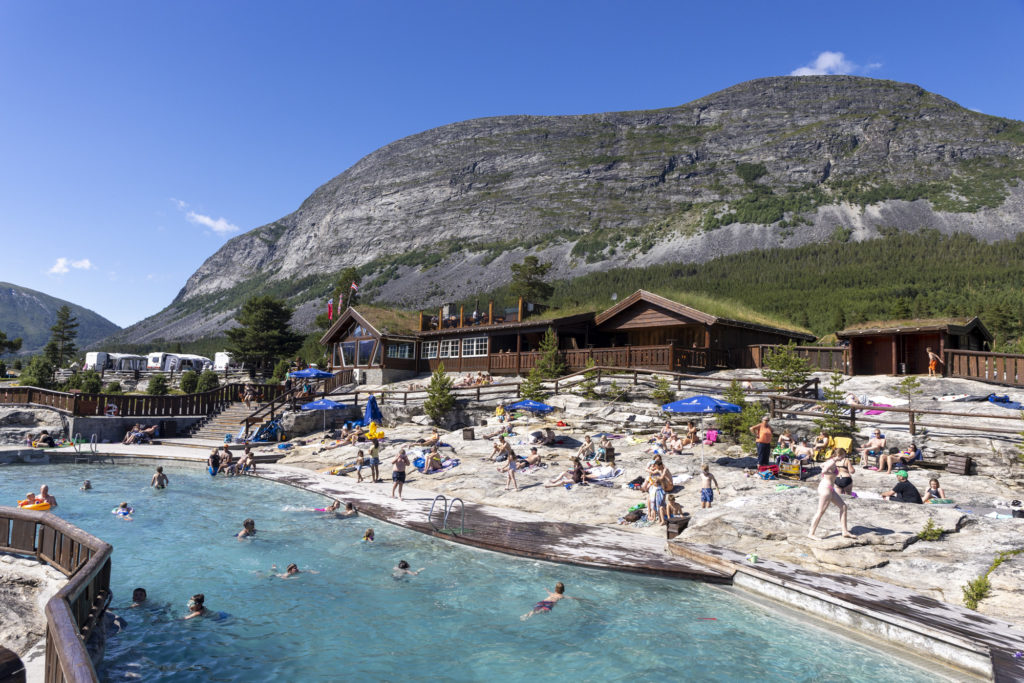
[[773, 162], [29, 314]]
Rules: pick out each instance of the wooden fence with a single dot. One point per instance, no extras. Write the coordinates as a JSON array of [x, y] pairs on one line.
[[994, 368], [73, 613], [825, 358]]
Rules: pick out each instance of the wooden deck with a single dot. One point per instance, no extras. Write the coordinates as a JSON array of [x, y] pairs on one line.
[[954, 626], [507, 531]]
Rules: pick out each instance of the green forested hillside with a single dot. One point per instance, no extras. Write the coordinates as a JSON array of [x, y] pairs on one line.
[[827, 286]]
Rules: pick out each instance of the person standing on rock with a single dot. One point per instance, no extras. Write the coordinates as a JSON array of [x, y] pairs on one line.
[[398, 466], [827, 495], [933, 362], [763, 435]]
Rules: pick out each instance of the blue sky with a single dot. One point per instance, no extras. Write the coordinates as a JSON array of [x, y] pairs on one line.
[[137, 137]]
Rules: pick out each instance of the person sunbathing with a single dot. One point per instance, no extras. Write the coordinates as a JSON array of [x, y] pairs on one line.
[[501, 450], [433, 461], [692, 437], [822, 443], [875, 446], [586, 449], [433, 440], [575, 475], [934, 492], [803, 452], [674, 445], [901, 459], [542, 438]]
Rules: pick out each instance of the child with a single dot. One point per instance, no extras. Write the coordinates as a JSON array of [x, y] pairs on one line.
[[330, 508], [350, 510], [934, 492], [656, 501], [289, 571], [706, 480], [546, 605], [159, 480], [360, 460], [403, 570], [511, 474], [375, 462], [368, 536], [30, 499], [673, 509], [86, 485], [138, 597], [248, 529], [123, 511], [196, 607]]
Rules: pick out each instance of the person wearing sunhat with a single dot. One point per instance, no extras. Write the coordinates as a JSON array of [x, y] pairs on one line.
[[903, 491]]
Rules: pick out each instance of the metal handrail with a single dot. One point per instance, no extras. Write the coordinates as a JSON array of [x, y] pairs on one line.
[[444, 505], [451, 505]]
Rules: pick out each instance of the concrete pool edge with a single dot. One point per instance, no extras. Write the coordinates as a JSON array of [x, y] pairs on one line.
[[954, 636]]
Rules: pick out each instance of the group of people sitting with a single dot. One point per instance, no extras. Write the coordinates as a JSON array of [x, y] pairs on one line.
[[669, 441], [140, 434], [481, 379], [222, 460]]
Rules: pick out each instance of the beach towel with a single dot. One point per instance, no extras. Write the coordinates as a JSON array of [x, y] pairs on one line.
[[877, 412], [679, 479], [1004, 402], [445, 465], [604, 472]]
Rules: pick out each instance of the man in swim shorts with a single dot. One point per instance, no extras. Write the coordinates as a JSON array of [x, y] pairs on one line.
[[159, 480], [213, 463], [398, 466], [546, 605], [933, 362]]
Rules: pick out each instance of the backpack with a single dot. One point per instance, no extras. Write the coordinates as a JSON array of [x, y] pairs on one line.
[[710, 437]]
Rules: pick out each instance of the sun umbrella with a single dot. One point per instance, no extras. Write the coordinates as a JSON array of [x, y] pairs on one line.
[[323, 405], [310, 373], [372, 412], [532, 406], [700, 404]]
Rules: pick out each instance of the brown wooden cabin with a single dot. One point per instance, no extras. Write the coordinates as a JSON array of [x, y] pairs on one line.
[[643, 330], [899, 346]]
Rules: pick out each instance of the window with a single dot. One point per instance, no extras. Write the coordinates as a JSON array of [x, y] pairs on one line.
[[365, 349], [428, 350], [449, 348], [348, 354], [377, 351], [474, 346], [402, 350]]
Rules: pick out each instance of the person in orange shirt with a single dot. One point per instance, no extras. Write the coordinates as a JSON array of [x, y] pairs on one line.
[[763, 435]]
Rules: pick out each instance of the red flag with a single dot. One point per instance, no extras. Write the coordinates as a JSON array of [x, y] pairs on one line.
[[355, 286], [330, 309]]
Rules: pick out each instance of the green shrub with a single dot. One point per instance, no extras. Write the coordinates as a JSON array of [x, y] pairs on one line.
[[158, 385], [930, 532], [440, 399], [832, 419], [90, 382], [586, 387], [663, 392], [783, 369], [748, 173], [208, 381], [39, 373], [189, 381], [281, 370], [532, 387], [976, 590], [112, 388], [737, 425]]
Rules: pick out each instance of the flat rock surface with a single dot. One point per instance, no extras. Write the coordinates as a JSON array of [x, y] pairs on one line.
[[25, 587]]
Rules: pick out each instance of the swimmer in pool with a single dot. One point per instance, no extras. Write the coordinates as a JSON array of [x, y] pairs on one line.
[[403, 570], [547, 604], [124, 511], [248, 529], [290, 571], [86, 485], [138, 597], [333, 507], [349, 511], [159, 480], [368, 536], [196, 607]]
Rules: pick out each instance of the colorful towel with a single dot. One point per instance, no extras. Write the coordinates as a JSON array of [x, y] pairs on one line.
[[877, 412]]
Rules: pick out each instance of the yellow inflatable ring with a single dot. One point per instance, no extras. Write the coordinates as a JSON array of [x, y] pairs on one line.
[[24, 505]]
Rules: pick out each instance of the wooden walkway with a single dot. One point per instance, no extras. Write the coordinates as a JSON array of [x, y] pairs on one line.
[[506, 531], [955, 626]]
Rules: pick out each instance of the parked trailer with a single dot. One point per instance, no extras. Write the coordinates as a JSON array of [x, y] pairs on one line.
[[118, 362]]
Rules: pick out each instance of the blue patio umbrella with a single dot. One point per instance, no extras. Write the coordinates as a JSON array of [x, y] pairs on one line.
[[532, 406], [310, 373], [700, 404], [323, 405], [372, 412]]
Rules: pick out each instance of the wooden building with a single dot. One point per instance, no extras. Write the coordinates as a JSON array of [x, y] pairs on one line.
[[643, 330], [899, 347]]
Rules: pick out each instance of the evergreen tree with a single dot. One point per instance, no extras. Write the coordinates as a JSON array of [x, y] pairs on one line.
[[663, 392], [39, 373], [838, 320], [264, 335], [208, 381], [737, 425], [783, 369], [158, 385], [832, 419], [549, 364], [440, 399], [60, 350], [528, 280], [8, 345], [189, 380], [532, 388], [586, 387]]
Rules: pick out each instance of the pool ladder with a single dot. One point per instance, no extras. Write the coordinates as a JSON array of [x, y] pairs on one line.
[[447, 506], [90, 454]]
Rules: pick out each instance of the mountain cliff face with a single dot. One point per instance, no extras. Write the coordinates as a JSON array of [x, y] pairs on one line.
[[29, 314], [772, 162]]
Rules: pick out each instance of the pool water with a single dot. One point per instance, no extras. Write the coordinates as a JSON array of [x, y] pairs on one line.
[[458, 620]]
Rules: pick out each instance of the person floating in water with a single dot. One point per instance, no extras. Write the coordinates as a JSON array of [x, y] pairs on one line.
[[196, 608], [124, 511], [159, 480], [368, 536], [290, 571], [248, 529], [547, 604], [86, 485], [138, 597], [403, 570], [44, 495]]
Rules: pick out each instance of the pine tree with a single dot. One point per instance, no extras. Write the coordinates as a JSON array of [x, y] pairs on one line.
[[440, 399], [549, 364], [8, 345], [61, 347], [662, 392], [264, 334], [587, 386], [832, 420], [532, 388], [528, 280], [783, 369]]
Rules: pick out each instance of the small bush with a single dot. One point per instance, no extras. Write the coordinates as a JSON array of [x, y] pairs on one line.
[[930, 532], [440, 399], [587, 386], [208, 381], [532, 387], [90, 382], [281, 370], [113, 388], [663, 392], [158, 385], [189, 381], [976, 590]]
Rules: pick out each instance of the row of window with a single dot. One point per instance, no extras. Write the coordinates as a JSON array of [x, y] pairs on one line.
[[472, 347]]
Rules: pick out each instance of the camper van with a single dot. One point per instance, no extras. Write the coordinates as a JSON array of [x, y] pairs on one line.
[[101, 361], [221, 361], [190, 361], [158, 360]]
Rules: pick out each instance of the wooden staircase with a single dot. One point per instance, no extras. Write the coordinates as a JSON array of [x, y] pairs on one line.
[[227, 421]]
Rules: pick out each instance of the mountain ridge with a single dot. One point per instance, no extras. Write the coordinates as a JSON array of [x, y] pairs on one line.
[[29, 314], [773, 162]]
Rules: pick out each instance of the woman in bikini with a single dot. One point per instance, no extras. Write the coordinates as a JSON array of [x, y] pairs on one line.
[[844, 481], [827, 495]]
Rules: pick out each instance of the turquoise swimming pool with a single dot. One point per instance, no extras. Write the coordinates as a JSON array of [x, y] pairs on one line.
[[458, 620]]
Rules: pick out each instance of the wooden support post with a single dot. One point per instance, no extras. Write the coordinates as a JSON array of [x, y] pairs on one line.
[[519, 350], [771, 407], [913, 426], [440, 319], [421, 321], [490, 312], [462, 316], [853, 419], [520, 309]]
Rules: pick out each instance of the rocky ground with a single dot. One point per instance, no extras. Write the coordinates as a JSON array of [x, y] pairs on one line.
[[25, 588], [750, 514], [16, 424]]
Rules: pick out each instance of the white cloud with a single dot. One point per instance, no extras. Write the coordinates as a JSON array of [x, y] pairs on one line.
[[180, 204], [64, 265], [221, 226], [828, 63]]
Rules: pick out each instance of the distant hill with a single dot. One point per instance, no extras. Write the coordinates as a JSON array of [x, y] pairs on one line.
[[29, 314], [776, 162]]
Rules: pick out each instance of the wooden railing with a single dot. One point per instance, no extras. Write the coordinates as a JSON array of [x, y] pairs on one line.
[[657, 357], [73, 613], [680, 380], [131, 405], [282, 399], [995, 368], [826, 358]]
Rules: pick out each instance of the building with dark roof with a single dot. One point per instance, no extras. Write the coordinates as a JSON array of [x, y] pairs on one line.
[[900, 346]]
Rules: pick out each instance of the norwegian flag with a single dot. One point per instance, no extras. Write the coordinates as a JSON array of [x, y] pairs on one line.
[[355, 287], [330, 309]]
